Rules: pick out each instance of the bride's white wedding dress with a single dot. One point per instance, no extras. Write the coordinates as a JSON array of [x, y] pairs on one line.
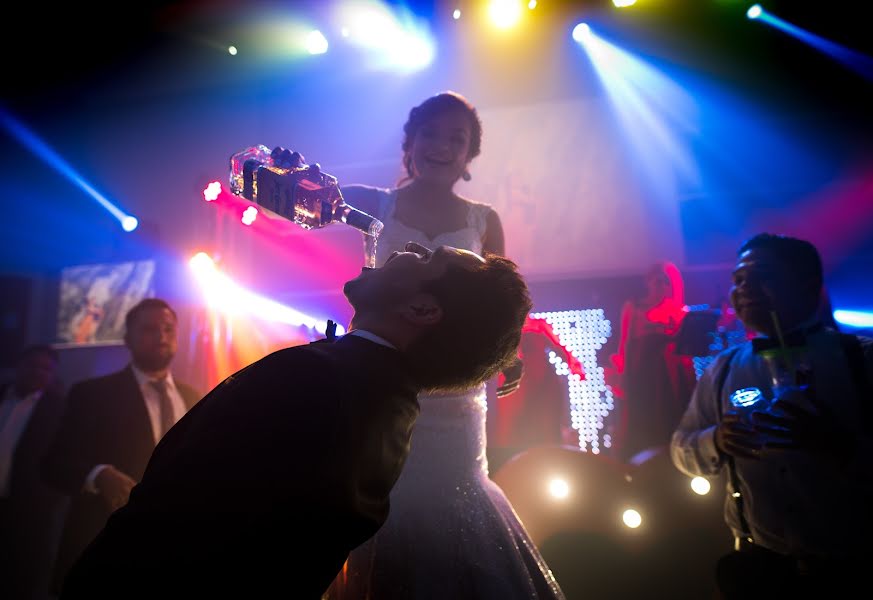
[[451, 533]]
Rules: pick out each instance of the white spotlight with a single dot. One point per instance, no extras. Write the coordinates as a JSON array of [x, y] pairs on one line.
[[632, 518], [456, 14], [249, 215], [129, 223], [754, 11], [316, 43], [211, 191], [504, 13], [231, 50], [700, 485], [581, 32], [559, 488]]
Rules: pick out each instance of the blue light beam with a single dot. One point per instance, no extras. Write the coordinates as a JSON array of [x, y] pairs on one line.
[[57, 162], [856, 61], [655, 112]]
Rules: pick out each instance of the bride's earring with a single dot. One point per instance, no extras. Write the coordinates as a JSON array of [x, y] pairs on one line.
[[466, 175]]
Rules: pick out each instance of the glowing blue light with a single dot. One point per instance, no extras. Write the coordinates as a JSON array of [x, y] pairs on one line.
[[852, 59], [654, 111], [59, 164], [396, 38], [854, 318], [129, 223]]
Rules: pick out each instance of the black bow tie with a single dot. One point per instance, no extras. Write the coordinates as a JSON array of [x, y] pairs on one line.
[[792, 339]]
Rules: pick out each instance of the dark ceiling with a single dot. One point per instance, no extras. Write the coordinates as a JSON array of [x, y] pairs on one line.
[[55, 58]]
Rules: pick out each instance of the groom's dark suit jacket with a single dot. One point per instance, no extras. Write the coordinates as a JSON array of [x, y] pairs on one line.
[[106, 422], [263, 489]]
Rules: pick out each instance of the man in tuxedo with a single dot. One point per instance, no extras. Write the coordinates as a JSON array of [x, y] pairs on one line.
[[111, 426], [30, 511], [263, 489]]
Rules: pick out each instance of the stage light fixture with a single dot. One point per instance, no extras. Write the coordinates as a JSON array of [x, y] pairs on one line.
[[456, 14], [232, 50], [754, 11]]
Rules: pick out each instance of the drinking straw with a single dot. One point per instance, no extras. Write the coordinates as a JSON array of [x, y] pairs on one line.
[[775, 318]]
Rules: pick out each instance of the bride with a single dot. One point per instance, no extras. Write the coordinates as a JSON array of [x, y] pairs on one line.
[[451, 532]]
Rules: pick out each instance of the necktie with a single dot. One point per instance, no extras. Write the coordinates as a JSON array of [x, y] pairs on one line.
[[166, 416]]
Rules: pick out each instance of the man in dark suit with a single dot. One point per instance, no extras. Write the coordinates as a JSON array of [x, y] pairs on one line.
[[30, 511], [111, 426], [263, 489]]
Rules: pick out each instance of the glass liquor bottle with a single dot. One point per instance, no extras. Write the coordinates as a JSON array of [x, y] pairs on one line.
[[279, 182]]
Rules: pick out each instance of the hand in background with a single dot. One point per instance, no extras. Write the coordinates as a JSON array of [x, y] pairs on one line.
[[286, 159], [511, 378], [793, 423], [737, 437], [114, 487]]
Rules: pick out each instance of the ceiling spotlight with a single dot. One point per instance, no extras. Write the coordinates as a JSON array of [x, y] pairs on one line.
[[581, 32]]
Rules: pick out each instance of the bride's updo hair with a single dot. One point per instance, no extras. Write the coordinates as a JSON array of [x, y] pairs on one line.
[[436, 105]]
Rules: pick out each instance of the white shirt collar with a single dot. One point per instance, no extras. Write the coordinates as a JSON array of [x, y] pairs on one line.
[[372, 337], [142, 378]]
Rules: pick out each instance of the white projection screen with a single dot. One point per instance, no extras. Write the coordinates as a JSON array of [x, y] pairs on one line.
[[570, 192]]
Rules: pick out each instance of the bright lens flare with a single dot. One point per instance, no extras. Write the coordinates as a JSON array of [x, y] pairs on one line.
[[581, 32], [504, 13], [316, 43], [559, 488], [700, 486], [632, 518]]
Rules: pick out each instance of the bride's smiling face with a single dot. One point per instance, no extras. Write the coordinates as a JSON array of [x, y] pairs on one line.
[[441, 147]]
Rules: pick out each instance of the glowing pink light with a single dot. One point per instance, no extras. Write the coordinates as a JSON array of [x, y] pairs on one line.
[[225, 295], [212, 191]]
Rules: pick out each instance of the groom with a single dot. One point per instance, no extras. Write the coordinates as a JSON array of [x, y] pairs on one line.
[[264, 487]]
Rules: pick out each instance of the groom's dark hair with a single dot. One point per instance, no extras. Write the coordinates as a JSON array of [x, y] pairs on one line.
[[484, 308]]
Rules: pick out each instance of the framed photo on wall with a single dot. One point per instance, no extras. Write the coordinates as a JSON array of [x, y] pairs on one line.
[[95, 298]]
